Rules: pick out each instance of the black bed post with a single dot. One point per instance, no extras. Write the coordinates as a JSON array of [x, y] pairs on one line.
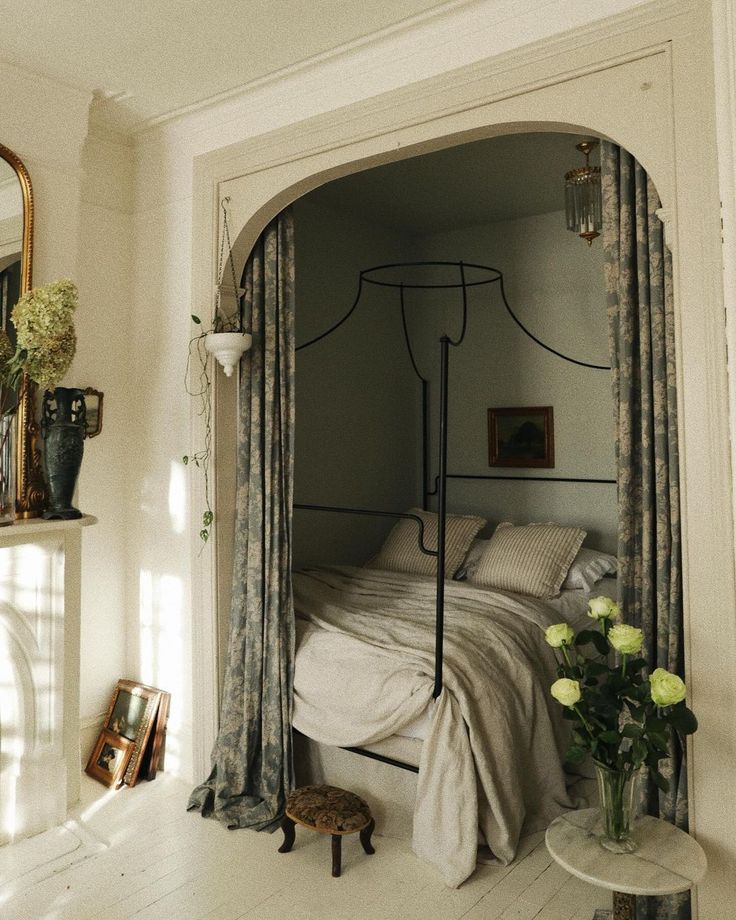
[[425, 444], [441, 516]]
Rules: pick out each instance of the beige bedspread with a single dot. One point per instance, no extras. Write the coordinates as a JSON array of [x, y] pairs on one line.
[[365, 668]]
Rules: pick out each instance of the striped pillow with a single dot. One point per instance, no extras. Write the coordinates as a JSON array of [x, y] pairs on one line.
[[400, 551], [533, 559]]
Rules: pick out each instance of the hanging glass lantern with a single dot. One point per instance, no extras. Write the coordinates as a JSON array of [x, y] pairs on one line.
[[583, 197]]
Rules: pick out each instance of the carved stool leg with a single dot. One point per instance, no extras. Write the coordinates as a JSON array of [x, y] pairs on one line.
[[336, 854], [287, 826], [624, 906], [365, 837]]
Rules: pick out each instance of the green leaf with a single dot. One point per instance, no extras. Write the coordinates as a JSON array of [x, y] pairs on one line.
[[207, 518], [596, 668], [632, 730], [575, 754], [681, 718], [609, 737], [658, 739], [204, 535], [600, 643], [659, 780], [196, 319], [640, 751], [584, 636], [185, 460]]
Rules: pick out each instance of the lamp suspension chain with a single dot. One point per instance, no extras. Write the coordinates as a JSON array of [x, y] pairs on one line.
[[225, 240]]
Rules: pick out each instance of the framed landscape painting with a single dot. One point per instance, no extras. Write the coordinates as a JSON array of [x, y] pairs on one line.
[[521, 436]]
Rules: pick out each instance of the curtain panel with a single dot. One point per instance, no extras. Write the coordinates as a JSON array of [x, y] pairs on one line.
[[638, 278], [252, 764]]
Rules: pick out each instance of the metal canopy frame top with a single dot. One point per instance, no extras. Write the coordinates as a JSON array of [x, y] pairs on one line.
[[405, 276]]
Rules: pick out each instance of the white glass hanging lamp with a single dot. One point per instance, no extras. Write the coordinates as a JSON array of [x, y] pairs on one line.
[[583, 196]]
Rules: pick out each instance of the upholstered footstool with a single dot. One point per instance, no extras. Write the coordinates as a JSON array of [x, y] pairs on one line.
[[328, 810]]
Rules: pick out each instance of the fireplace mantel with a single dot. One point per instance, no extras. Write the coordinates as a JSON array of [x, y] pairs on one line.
[[34, 527], [40, 603]]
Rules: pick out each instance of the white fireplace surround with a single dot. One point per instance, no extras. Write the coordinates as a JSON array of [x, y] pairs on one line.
[[40, 600]]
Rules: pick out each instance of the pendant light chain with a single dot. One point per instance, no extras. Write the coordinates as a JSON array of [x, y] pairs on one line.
[[225, 240]]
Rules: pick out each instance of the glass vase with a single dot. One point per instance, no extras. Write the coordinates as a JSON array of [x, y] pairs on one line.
[[617, 797], [7, 469]]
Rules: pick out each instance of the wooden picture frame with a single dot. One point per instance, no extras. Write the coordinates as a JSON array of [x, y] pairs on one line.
[[521, 437], [110, 758], [132, 714]]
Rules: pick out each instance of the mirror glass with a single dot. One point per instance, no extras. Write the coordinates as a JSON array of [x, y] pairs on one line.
[[11, 243]]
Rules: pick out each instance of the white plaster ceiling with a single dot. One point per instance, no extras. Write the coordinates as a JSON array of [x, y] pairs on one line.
[[155, 57], [500, 178]]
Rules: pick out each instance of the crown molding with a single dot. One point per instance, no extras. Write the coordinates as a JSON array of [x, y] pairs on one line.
[[238, 103], [445, 11]]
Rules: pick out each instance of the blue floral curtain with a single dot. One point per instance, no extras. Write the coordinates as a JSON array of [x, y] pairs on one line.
[[252, 767], [638, 273]]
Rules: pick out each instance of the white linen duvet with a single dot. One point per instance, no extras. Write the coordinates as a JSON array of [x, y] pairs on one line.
[[494, 742]]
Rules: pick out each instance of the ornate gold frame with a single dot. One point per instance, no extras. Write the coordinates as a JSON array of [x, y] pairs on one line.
[[30, 486]]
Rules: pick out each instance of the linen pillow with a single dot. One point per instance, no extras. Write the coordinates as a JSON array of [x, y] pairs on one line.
[[587, 569], [532, 559], [401, 553]]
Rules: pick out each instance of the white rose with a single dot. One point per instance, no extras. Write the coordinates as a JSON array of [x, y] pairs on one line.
[[666, 688], [625, 639], [558, 635], [603, 608], [566, 691]]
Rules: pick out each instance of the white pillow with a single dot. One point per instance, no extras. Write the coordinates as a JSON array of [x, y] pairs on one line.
[[532, 559], [470, 563], [587, 569]]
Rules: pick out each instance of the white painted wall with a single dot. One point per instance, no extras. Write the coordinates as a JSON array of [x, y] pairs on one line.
[[80, 232], [358, 401], [104, 347], [554, 283]]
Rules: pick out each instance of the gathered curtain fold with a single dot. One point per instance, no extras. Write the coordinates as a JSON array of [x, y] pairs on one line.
[[252, 764], [638, 277]]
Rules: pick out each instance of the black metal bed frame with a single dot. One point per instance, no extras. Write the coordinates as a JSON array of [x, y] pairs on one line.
[[492, 276]]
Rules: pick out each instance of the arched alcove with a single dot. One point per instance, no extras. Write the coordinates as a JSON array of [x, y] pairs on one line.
[[634, 87]]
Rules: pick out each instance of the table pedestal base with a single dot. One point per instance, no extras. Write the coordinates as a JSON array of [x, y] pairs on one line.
[[624, 908]]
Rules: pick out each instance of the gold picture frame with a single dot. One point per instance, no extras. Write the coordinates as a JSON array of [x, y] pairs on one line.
[[521, 436], [109, 759], [132, 715]]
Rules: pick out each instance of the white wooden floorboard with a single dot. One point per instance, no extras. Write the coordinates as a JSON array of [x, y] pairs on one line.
[[137, 853]]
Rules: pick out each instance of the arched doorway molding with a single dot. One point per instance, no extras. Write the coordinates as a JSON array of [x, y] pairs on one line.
[[659, 167], [644, 83]]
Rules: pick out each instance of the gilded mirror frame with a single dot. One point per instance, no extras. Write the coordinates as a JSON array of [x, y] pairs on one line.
[[29, 481]]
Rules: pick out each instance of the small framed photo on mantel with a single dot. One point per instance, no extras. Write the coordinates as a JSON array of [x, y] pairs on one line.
[[521, 437], [136, 718]]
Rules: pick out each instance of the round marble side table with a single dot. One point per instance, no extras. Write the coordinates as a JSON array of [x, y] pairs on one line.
[[668, 860]]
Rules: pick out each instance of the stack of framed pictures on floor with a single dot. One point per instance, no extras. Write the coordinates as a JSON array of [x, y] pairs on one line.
[[132, 742]]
